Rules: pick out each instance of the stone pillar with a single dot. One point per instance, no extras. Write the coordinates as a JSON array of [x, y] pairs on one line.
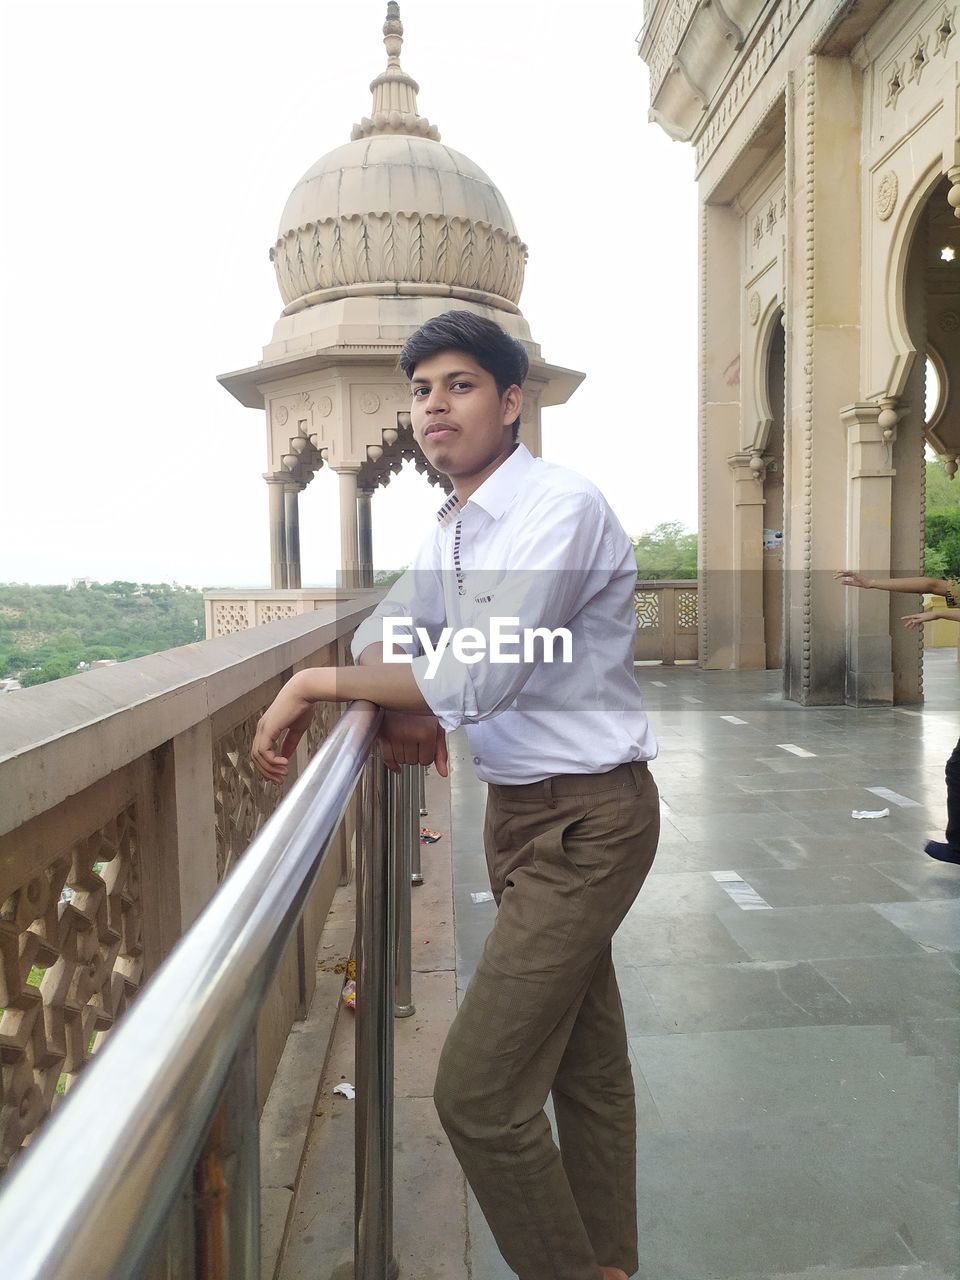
[[823, 364], [349, 532], [869, 679], [907, 535], [291, 511], [365, 535], [749, 645], [278, 535], [719, 427]]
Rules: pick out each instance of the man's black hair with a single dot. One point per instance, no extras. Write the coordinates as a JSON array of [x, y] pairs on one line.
[[485, 342]]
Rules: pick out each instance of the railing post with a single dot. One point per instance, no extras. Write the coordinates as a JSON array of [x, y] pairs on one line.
[[402, 795], [373, 1223], [227, 1180], [416, 809]]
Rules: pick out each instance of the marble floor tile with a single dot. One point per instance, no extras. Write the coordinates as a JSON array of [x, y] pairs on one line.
[[827, 886], [885, 989], [645, 940], [744, 996], [810, 933], [932, 924]]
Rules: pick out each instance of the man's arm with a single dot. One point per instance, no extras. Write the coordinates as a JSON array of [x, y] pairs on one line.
[[407, 738], [915, 620], [288, 717], [912, 586]]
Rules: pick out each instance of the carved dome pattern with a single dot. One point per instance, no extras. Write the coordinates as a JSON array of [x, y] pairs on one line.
[[396, 211]]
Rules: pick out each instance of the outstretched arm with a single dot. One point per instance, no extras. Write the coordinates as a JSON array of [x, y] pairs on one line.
[[918, 619], [912, 586]]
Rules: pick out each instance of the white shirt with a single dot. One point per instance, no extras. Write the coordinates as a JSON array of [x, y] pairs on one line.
[[537, 543]]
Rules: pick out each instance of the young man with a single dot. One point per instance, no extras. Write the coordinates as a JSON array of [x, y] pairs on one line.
[[572, 812], [949, 850]]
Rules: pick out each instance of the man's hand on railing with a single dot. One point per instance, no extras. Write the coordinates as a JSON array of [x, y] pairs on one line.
[[279, 730], [412, 739]]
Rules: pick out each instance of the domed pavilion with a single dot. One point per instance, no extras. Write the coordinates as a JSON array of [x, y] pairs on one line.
[[380, 235]]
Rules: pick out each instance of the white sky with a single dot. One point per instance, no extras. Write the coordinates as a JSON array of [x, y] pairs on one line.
[[148, 148]]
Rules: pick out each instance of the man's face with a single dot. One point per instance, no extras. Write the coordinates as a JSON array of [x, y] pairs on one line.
[[461, 421]]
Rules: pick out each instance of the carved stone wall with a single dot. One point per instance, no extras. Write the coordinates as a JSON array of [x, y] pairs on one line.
[[115, 828], [910, 140], [230, 616], [667, 621], [752, 72], [243, 799], [71, 959], [764, 250], [272, 611]]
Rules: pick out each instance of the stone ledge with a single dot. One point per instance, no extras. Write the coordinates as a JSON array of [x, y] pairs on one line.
[[57, 739]]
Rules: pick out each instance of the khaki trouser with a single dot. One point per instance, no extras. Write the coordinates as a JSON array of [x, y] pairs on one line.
[[566, 859]]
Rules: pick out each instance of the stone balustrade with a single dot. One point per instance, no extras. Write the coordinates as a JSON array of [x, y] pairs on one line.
[[126, 795], [229, 611], [667, 621]]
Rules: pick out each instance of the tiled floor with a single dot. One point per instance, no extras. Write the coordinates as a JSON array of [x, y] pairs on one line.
[[795, 1048]]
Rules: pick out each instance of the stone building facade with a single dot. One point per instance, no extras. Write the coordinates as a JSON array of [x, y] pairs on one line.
[[380, 235], [825, 135]]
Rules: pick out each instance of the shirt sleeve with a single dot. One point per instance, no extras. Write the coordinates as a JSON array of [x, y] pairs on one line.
[[417, 594], [557, 564]]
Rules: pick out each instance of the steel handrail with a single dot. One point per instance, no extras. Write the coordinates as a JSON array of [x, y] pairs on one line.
[[92, 1195]]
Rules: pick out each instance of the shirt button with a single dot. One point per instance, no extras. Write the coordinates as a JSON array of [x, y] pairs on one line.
[[476, 759]]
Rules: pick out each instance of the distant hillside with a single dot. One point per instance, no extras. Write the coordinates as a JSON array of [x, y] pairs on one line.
[[46, 632]]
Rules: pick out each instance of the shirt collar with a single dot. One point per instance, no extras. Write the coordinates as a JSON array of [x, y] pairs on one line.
[[497, 491]]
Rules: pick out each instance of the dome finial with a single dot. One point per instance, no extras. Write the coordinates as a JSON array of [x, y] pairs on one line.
[[394, 92], [393, 33]]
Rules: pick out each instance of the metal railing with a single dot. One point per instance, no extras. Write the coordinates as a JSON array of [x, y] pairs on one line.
[[168, 1108]]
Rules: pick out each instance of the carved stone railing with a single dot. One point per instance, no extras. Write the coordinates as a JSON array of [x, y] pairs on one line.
[[228, 611], [667, 621], [126, 794]]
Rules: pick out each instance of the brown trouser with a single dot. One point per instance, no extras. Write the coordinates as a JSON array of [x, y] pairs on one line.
[[566, 858]]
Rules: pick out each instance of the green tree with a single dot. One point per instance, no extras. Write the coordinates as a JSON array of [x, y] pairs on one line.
[[942, 533], [666, 552], [55, 669], [48, 630]]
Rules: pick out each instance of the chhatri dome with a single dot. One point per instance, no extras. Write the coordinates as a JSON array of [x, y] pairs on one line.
[[396, 211], [379, 236]]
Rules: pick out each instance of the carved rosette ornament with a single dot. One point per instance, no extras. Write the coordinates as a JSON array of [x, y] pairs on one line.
[[753, 308], [949, 321], [888, 188]]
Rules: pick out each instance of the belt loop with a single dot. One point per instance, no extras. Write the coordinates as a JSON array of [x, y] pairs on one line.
[[548, 793], [638, 768]]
